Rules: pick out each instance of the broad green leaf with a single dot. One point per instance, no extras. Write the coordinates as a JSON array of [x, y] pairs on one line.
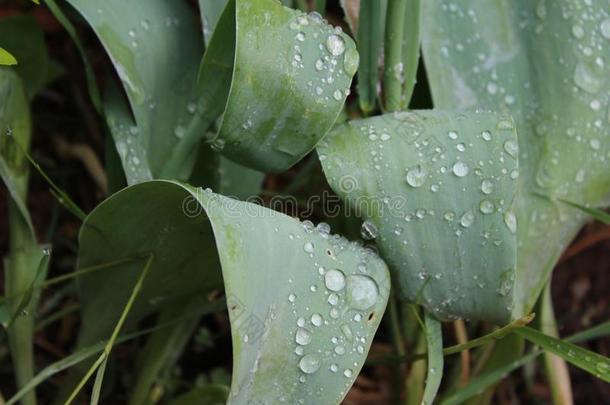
[[438, 189], [592, 363], [23, 38], [155, 48], [544, 62], [370, 39], [434, 338], [304, 305], [6, 58], [281, 86]]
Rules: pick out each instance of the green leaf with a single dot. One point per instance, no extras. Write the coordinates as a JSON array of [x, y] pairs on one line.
[[370, 39], [434, 338], [6, 58], [596, 213], [28, 295], [15, 134], [210, 13], [210, 394], [539, 61], [438, 189], [155, 48], [401, 52], [286, 283], [593, 363], [281, 86], [23, 38]]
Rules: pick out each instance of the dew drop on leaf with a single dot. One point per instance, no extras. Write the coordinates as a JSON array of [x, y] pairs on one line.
[[368, 230], [303, 337], [362, 292], [460, 169], [416, 176], [511, 221], [309, 364], [467, 219], [511, 148], [334, 280], [335, 45]]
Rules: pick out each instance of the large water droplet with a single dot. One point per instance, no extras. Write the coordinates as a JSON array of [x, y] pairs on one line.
[[362, 292], [334, 280], [335, 44], [605, 28], [368, 230], [303, 336], [460, 169], [487, 186], [351, 61], [511, 147], [467, 219], [309, 364], [416, 176], [587, 79], [316, 319], [486, 207], [511, 221]]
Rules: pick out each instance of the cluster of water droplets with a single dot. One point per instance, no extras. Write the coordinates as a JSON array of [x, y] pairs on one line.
[[322, 49], [332, 306]]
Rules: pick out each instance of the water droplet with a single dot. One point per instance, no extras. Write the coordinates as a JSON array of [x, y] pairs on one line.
[[511, 147], [303, 336], [605, 28], [416, 176], [351, 61], [460, 169], [334, 280], [511, 221], [486, 206], [308, 247], [486, 135], [452, 135], [335, 45], [467, 219], [309, 364], [300, 36], [449, 216], [337, 95], [316, 319], [292, 298], [578, 31], [460, 147], [179, 131], [487, 186], [46, 251], [368, 230], [587, 79], [362, 292], [145, 24], [334, 368], [333, 299], [348, 373], [340, 350]]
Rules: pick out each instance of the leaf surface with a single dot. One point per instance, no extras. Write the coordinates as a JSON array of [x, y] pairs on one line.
[[304, 305], [544, 62], [437, 187]]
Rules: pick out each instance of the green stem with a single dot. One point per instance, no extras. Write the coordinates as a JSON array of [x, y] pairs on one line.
[[556, 368], [393, 66], [490, 337], [115, 333]]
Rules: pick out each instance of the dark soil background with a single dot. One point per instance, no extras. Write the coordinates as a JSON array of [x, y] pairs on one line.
[[64, 121]]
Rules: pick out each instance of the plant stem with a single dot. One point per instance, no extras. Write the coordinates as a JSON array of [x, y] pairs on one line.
[[393, 66], [556, 368]]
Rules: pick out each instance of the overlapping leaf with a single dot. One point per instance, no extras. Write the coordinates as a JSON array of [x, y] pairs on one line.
[[304, 305], [438, 188], [546, 63]]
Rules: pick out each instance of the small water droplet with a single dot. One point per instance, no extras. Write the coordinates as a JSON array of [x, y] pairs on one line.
[[316, 319], [292, 298], [452, 135], [486, 135], [487, 186], [348, 372], [308, 247], [605, 28], [486, 206]]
